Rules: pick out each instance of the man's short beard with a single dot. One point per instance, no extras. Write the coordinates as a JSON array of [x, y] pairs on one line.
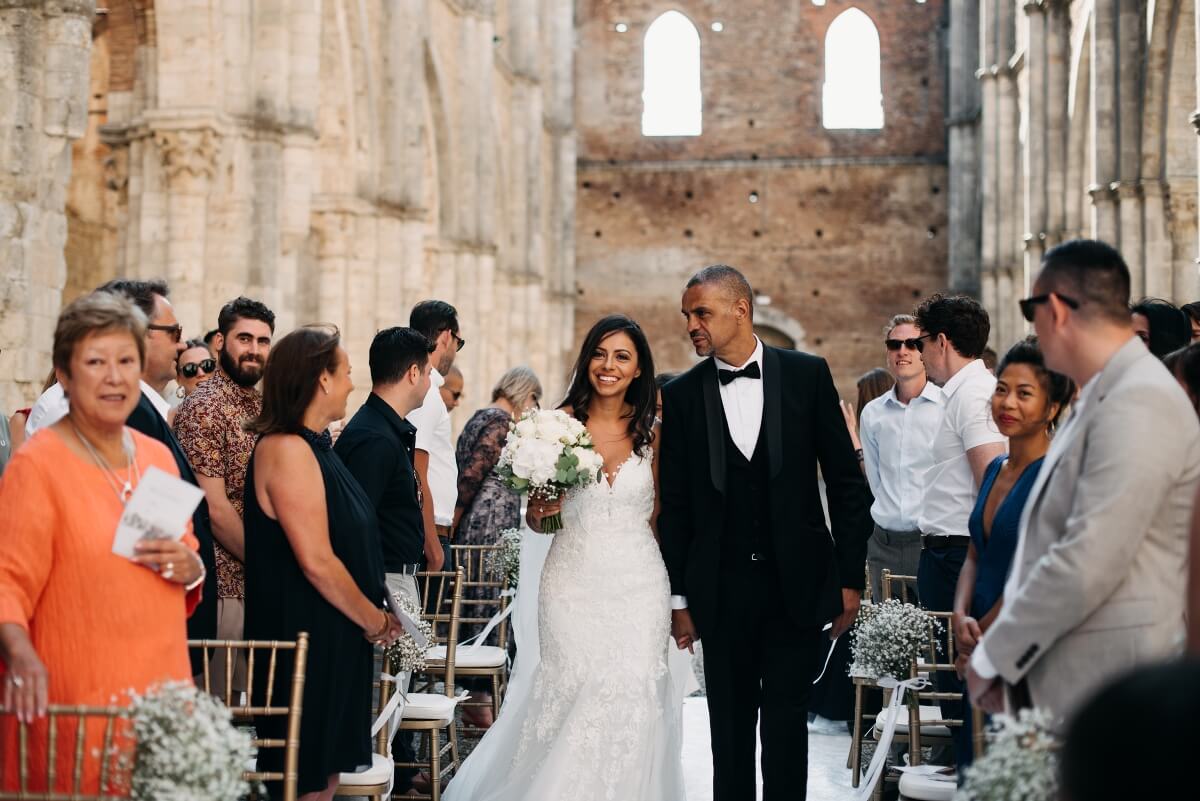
[[235, 372]]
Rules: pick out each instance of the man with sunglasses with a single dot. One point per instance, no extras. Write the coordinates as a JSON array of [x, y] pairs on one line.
[[954, 333], [897, 431], [452, 389], [1098, 582]]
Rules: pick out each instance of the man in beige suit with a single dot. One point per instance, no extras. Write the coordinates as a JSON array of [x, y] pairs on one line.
[[1097, 584]]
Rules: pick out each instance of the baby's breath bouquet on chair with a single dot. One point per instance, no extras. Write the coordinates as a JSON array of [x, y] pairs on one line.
[[1020, 764], [505, 562], [187, 748], [547, 453], [406, 655], [887, 637]]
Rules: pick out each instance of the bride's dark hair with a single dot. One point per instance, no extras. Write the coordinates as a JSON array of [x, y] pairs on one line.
[[642, 392]]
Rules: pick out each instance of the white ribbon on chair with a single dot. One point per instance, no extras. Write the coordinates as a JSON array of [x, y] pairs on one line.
[[393, 710], [496, 619], [892, 713]]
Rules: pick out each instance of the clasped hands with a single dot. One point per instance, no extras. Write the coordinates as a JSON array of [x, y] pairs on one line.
[[386, 633], [172, 559]]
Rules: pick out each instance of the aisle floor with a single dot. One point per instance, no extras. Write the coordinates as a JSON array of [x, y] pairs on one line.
[[828, 779]]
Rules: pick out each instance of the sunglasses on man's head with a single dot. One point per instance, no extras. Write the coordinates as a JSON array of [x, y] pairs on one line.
[[190, 369], [1029, 305], [912, 344]]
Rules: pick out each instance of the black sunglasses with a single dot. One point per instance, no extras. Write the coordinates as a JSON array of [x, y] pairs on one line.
[[1029, 305], [912, 344], [190, 369], [175, 332], [462, 343]]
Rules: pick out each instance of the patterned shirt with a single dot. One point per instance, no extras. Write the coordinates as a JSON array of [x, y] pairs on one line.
[[209, 428]]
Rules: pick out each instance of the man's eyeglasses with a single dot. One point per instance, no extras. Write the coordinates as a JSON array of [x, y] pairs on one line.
[[175, 332], [912, 344], [190, 369], [1029, 305], [462, 343]]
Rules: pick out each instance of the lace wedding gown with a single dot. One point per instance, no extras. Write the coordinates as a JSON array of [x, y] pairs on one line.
[[598, 718]]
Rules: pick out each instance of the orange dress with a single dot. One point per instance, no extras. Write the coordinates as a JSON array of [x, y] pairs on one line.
[[101, 624]]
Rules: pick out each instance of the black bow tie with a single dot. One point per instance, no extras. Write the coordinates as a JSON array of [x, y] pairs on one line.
[[749, 371]]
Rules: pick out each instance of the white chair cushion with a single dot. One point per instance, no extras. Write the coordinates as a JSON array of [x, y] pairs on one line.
[[429, 706], [379, 773], [924, 788], [927, 713], [485, 656]]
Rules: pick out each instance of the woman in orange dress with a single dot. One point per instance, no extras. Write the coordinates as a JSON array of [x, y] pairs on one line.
[[78, 623]]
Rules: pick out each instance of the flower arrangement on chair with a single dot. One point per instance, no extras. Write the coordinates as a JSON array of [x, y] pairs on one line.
[[1021, 761], [888, 637], [406, 655], [505, 561]]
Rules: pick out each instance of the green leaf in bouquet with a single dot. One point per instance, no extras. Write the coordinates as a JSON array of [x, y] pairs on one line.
[[561, 476], [572, 474], [519, 484]]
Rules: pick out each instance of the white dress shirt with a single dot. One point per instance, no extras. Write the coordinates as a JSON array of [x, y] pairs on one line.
[[980, 661], [434, 436], [897, 440], [967, 423], [742, 401], [53, 406]]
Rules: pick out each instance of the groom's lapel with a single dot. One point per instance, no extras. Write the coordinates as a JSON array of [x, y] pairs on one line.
[[714, 415], [772, 416]]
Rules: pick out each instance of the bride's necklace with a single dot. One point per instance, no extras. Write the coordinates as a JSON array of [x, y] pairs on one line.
[[132, 472]]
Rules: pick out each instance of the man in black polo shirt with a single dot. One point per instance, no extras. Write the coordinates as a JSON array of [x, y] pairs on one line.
[[377, 446]]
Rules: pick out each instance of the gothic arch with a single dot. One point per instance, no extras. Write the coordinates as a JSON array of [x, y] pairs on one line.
[[852, 94], [672, 95], [771, 318]]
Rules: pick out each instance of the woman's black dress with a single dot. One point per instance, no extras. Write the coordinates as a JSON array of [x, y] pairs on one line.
[[280, 602]]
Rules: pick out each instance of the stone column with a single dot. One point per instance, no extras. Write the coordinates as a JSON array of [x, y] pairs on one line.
[[1158, 246], [1106, 134], [1035, 144], [1058, 50], [963, 124], [1129, 211], [44, 54]]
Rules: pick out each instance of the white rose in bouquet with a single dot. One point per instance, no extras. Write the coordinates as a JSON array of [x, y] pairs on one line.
[[547, 453]]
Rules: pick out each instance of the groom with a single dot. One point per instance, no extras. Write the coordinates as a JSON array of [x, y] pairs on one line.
[[754, 570]]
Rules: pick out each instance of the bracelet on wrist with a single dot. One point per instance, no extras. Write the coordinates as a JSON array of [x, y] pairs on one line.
[[196, 582]]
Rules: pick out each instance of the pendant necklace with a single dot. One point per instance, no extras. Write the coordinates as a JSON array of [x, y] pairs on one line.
[[133, 473]]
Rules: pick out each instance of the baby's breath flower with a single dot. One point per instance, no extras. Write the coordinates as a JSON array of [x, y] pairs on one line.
[[1020, 764]]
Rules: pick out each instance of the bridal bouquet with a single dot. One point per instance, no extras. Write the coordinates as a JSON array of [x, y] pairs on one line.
[[547, 453], [887, 637], [505, 562], [187, 748], [1020, 764]]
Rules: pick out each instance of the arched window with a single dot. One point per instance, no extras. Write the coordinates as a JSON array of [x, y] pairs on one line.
[[671, 93], [853, 97]]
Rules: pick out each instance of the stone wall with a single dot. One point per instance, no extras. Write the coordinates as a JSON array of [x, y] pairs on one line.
[[338, 160], [840, 229]]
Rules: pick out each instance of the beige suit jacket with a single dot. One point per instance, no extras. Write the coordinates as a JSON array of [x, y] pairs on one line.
[[1101, 571]]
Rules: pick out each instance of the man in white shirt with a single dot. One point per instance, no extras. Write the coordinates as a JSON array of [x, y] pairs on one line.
[[897, 431], [955, 332], [434, 459]]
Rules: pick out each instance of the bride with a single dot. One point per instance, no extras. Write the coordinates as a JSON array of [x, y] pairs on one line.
[[599, 718]]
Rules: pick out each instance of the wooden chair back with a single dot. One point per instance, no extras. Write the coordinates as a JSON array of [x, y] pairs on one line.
[[281, 698], [99, 736], [481, 589]]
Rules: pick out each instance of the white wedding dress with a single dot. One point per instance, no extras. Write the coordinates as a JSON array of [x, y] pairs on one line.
[[598, 717]]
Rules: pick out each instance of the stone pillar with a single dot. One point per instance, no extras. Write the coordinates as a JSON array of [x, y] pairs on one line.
[[963, 124], [1158, 246], [1008, 191], [1129, 210], [1058, 51], [44, 54], [1035, 144], [1105, 126]]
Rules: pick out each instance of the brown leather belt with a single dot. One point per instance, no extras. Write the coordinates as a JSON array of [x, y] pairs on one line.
[[443, 531]]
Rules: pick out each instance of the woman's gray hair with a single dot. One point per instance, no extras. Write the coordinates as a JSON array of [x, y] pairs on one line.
[[516, 385], [97, 313]]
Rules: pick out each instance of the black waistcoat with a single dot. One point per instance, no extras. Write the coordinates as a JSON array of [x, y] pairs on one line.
[[747, 499]]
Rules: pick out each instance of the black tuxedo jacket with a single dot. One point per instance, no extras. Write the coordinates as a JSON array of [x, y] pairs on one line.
[[804, 429], [202, 625]]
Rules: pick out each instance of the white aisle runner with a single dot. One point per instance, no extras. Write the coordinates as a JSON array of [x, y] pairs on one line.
[[828, 778]]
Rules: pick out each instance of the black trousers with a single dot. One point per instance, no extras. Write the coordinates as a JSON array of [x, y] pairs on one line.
[[937, 578], [758, 671]]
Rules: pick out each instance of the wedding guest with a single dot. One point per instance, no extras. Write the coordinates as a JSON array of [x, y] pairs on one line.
[[870, 385], [1184, 364], [1027, 405], [313, 560], [1101, 740], [162, 345], [210, 340], [989, 360], [210, 424], [61, 500], [16, 429], [660, 381], [5, 444], [1160, 325], [897, 431], [452, 389], [485, 506], [194, 365], [434, 460], [1097, 585], [1192, 310], [954, 331], [377, 448], [49, 408]]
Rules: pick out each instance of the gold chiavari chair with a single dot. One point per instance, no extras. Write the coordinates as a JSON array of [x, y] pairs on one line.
[[376, 781], [895, 585], [482, 597], [97, 735], [241, 704], [430, 713]]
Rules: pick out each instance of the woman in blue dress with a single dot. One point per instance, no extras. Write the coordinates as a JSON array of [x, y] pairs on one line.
[[1027, 405]]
